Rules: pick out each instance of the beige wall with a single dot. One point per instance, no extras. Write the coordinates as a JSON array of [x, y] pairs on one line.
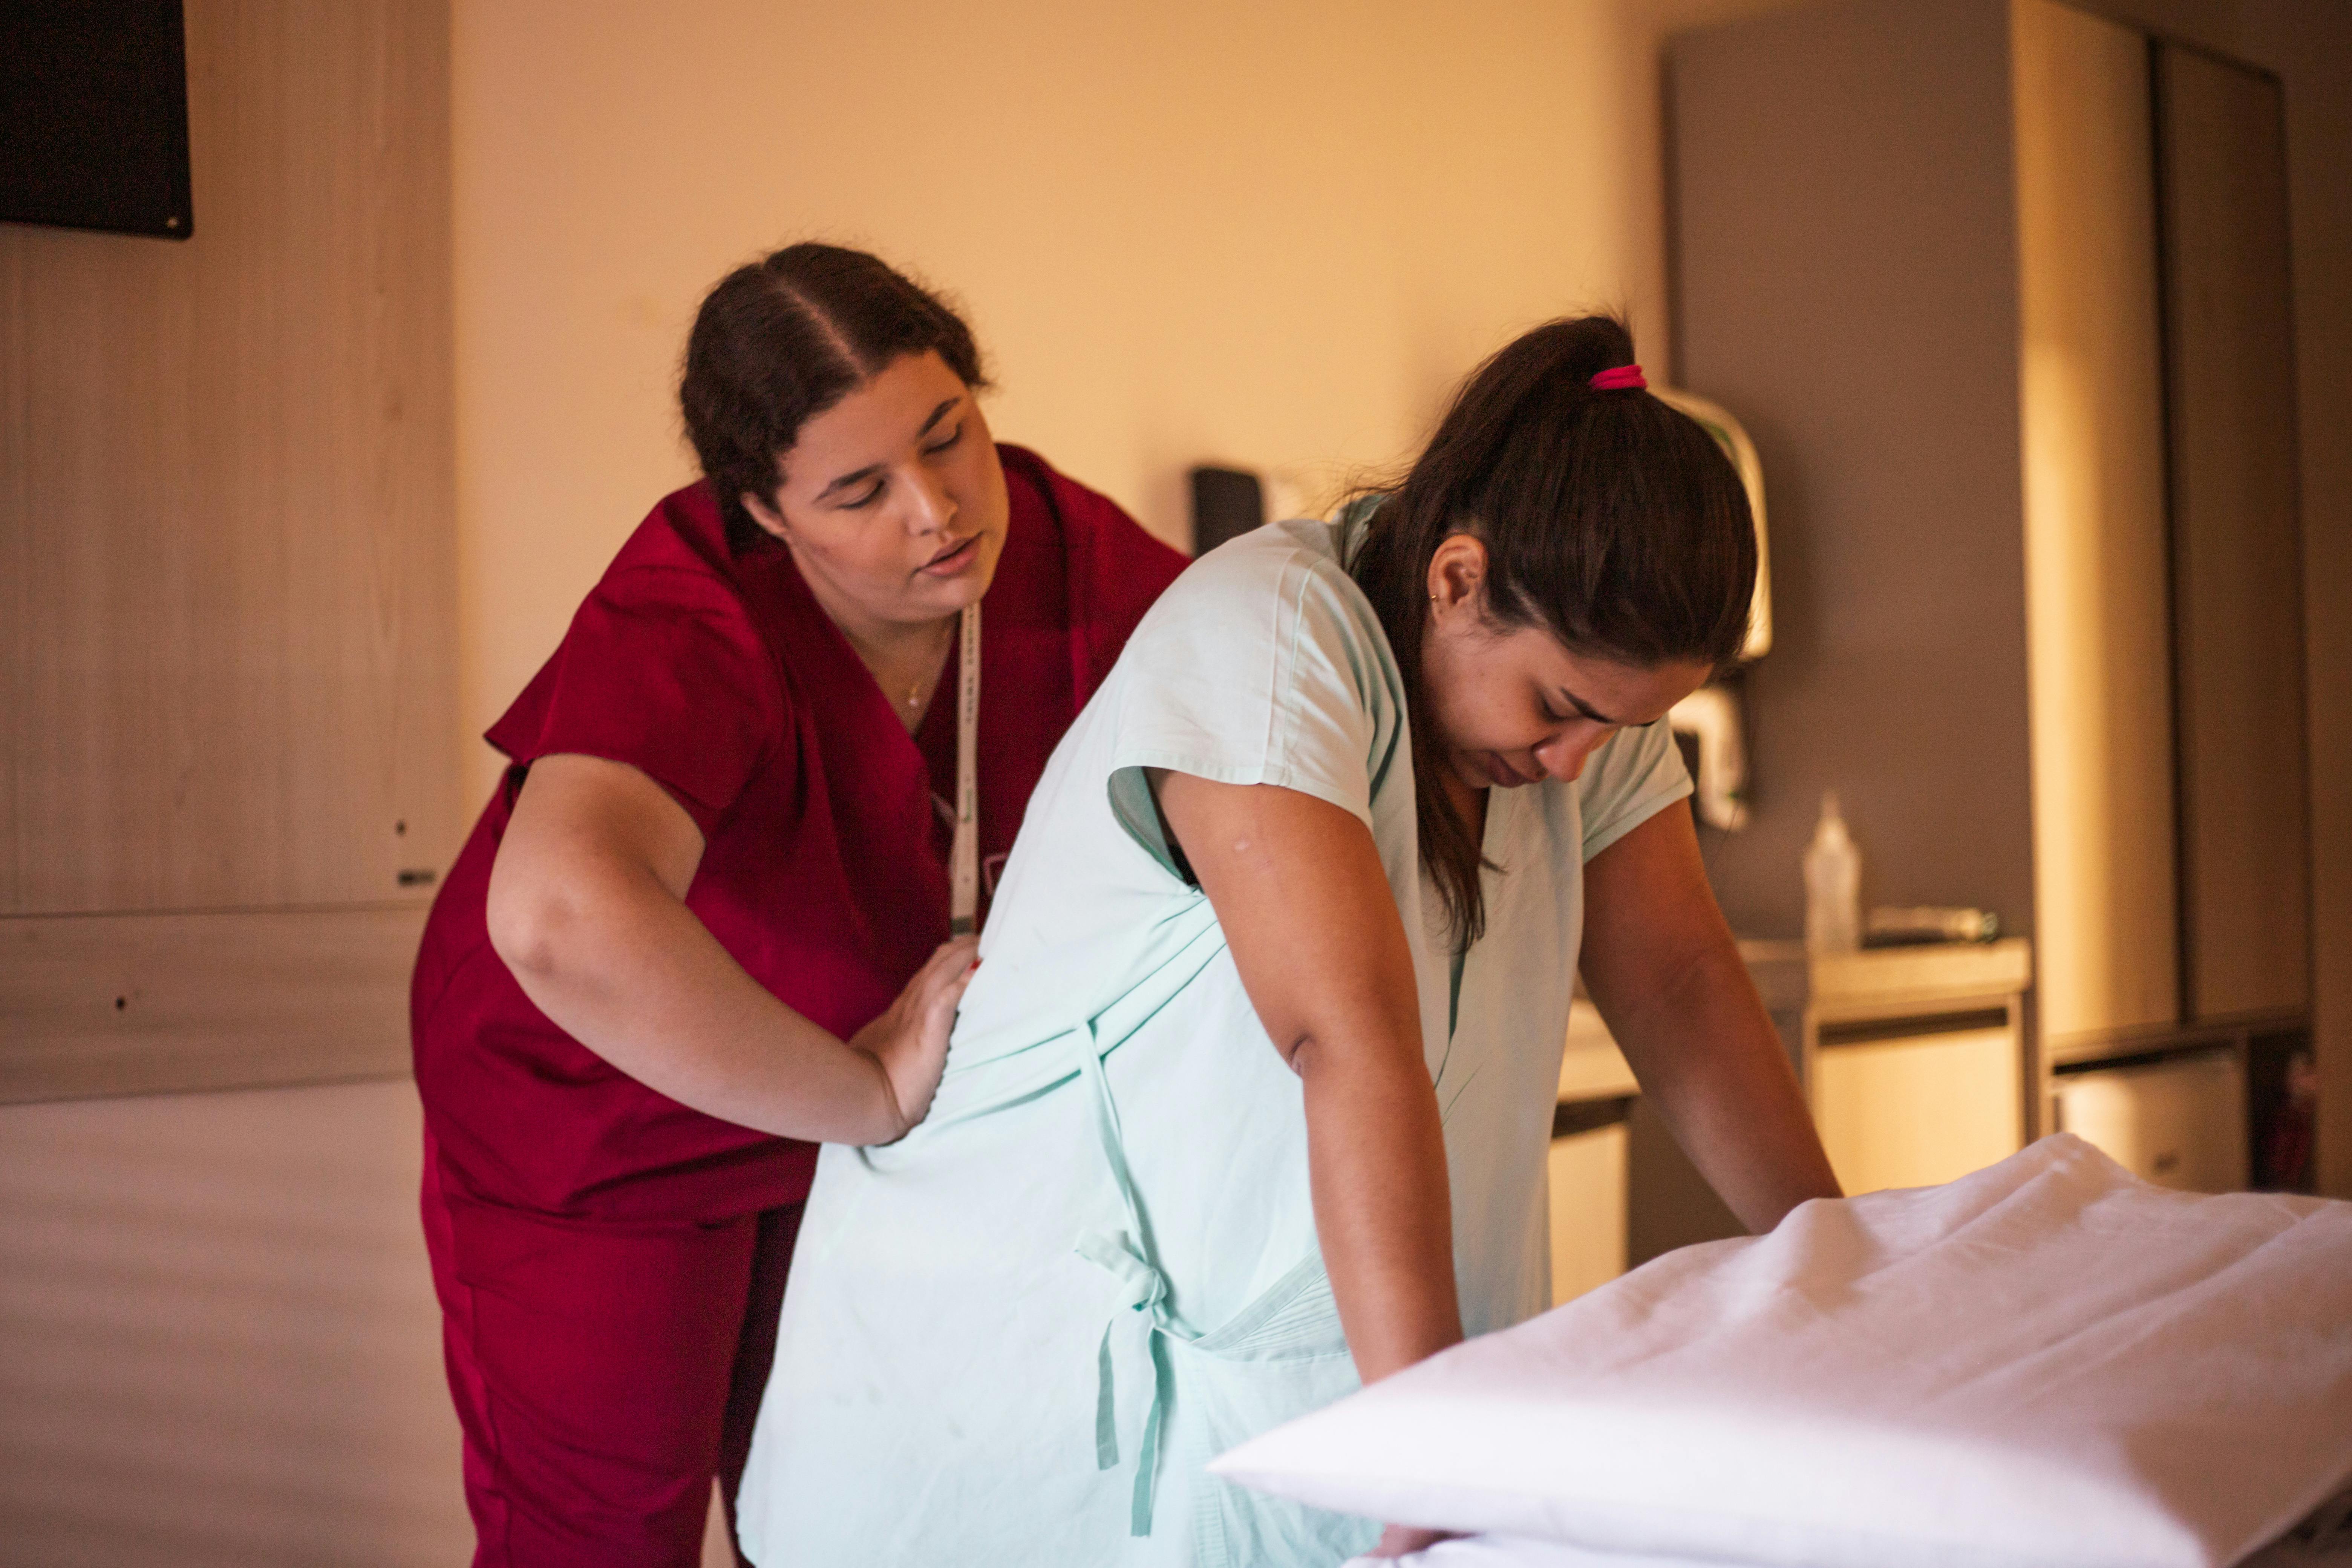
[[1216, 232]]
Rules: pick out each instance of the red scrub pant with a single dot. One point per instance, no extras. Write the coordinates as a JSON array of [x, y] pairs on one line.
[[604, 1373]]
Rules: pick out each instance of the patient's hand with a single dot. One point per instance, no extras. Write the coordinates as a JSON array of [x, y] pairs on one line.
[[1401, 1540]]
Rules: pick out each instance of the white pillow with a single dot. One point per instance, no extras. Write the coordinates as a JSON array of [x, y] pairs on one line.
[[2046, 1363]]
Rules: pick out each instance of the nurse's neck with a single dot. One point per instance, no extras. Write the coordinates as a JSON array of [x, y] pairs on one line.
[[906, 659]]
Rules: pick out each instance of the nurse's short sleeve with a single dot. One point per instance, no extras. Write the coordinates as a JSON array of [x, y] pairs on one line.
[[661, 669], [1635, 774], [1263, 665]]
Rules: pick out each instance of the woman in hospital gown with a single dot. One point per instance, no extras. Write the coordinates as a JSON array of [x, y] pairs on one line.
[[1251, 1098]]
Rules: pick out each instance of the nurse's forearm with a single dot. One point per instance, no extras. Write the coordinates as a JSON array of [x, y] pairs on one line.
[[629, 972]]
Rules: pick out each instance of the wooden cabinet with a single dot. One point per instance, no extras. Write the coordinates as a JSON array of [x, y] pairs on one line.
[[1919, 1107], [2000, 289], [227, 571], [2245, 865], [1585, 1170]]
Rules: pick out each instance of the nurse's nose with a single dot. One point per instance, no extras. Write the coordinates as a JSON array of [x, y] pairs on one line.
[[929, 508]]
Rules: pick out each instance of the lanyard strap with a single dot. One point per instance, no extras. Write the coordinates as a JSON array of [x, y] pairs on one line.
[[963, 862]]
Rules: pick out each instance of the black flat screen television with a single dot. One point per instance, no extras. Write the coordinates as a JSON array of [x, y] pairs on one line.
[[94, 116]]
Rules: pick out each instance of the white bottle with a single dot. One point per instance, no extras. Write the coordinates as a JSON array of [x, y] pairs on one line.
[[1832, 884]]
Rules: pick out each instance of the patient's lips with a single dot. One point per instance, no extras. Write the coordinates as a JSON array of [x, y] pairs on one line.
[[1503, 774]]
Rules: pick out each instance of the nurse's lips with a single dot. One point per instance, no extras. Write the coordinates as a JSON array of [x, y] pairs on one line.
[[947, 563]]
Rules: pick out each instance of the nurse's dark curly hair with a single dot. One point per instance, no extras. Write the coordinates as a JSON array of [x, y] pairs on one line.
[[782, 340], [1609, 520]]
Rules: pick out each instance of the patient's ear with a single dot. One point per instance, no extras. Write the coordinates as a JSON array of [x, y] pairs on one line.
[[1456, 577]]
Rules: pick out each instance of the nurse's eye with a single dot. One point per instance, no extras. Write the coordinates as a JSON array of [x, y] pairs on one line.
[[863, 501], [944, 442]]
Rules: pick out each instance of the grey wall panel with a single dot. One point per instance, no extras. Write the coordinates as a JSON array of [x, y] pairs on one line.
[[1846, 260]]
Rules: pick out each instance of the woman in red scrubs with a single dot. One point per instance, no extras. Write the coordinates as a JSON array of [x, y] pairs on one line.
[[704, 923]]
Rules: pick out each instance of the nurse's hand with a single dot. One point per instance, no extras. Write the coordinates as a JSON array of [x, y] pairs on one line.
[[910, 1040]]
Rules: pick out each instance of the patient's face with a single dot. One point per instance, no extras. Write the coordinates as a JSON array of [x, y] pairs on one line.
[[1513, 706]]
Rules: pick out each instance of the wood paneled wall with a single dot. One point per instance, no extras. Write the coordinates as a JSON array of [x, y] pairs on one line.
[[227, 543], [218, 1341], [227, 563]]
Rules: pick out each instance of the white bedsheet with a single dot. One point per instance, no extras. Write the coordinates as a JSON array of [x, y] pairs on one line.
[[2046, 1363], [2324, 1541]]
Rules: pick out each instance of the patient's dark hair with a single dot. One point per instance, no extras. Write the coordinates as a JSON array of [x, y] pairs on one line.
[[782, 340], [1609, 520]]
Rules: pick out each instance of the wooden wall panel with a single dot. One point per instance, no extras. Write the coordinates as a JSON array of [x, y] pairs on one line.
[[218, 1341], [227, 632], [2238, 563], [2092, 427], [101, 1005]]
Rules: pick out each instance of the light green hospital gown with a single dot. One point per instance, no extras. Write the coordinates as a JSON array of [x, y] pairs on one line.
[[1015, 1336]]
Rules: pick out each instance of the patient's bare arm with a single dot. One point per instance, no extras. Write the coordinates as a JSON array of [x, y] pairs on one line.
[[1663, 969], [1298, 885]]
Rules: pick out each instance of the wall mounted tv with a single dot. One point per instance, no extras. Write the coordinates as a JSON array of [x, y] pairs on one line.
[[94, 116]]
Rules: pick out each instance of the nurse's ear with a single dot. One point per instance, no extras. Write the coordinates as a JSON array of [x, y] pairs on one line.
[[764, 512]]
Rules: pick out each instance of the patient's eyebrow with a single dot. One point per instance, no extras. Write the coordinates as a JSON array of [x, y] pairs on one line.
[[1588, 709]]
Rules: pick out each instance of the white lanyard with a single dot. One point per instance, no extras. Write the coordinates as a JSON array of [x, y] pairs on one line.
[[963, 861]]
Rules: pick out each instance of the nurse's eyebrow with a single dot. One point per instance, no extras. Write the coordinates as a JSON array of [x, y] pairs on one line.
[[937, 415], [860, 475], [1588, 709]]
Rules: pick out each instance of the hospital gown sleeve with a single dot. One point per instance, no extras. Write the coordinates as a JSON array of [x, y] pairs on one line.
[[1259, 666], [1635, 774]]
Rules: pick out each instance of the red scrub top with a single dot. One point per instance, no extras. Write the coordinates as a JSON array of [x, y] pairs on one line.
[[824, 872]]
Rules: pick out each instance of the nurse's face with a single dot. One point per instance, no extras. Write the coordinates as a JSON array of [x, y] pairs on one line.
[[893, 501], [1515, 706]]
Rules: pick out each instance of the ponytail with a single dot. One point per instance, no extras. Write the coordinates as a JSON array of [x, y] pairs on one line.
[[1609, 520]]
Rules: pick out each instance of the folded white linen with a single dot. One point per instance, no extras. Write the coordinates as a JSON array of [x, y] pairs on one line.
[[1519, 1552], [2323, 1541], [2046, 1362]]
